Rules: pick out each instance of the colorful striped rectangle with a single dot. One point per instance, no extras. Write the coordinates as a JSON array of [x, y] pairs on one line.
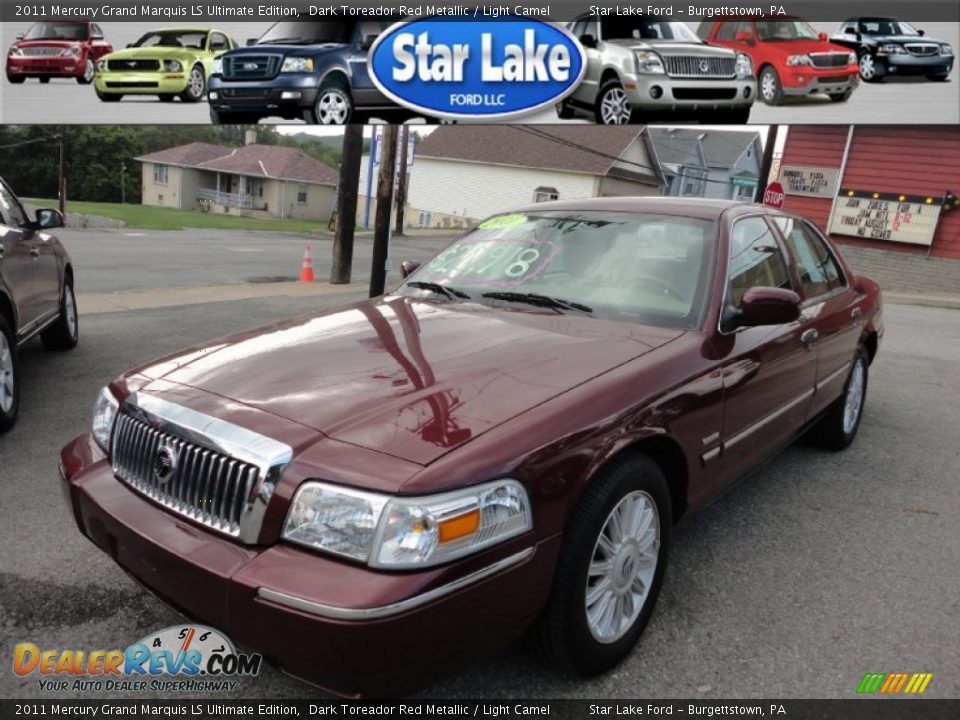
[[894, 683]]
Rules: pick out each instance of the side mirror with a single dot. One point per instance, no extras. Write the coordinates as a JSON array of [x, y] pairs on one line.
[[767, 306], [823, 37], [921, 33], [849, 31], [130, 45], [588, 40], [48, 218], [97, 36], [251, 41], [407, 268], [744, 37], [20, 36], [368, 42]]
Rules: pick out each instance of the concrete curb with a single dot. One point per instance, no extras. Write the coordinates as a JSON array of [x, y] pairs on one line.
[[950, 302]]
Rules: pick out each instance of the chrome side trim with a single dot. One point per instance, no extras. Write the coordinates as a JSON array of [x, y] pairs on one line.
[[748, 431], [833, 376], [269, 455], [709, 456], [38, 326], [373, 613]]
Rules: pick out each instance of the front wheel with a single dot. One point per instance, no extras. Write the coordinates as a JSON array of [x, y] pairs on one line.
[[939, 77], [771, 89], [9, 379], [842, 97], [838, 427], [613, 106], [564, 110], [870, 69], [16, 79], [334, 105], [611, 565], [196, 86], [65, 332], [88, 72], [44, 80]]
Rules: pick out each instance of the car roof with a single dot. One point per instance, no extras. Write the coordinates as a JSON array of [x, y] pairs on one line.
[[180, 29], [688, 207]]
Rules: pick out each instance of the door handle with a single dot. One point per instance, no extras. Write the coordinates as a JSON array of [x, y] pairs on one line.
[[809, 336], [35, 252], [856, 313], [2, 251]]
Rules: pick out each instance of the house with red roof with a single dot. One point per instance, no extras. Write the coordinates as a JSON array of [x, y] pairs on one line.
[[268, 181]]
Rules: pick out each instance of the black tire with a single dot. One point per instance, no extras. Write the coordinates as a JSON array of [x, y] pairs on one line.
[[89, 70], [167, 97], [563, 634], [831, 432], [44, 80], [842, 97], [108, 97], [64, 333], [612, 92], [871, 70], [734, 116], [9, 377], [771, 89], [233, 118], [334, 105], [16, 79], [565, 111], [196, 88]]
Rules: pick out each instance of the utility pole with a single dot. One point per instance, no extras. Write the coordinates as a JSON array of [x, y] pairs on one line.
[[123, 183], [62, 182], [401, 199], [381, 224], [767, 163], [347, 204]]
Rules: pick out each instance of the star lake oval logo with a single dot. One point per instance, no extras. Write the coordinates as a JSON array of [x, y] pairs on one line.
[[476, 69], [165, 464]]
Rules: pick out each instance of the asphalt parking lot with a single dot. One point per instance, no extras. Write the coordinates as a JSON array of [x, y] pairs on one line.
[[817, 569]]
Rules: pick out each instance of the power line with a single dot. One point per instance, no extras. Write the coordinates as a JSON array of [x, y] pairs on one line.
[[30, 142]]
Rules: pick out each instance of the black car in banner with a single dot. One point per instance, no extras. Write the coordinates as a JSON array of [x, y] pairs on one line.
[[888, 47]]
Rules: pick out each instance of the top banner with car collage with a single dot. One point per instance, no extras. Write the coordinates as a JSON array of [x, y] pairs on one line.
[[876, 62]]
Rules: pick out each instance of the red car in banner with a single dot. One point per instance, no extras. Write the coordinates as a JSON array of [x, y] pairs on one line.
[[789, 57], [375, 495], [57, 49]]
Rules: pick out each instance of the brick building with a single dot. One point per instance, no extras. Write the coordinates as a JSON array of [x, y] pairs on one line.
[[887, 195]]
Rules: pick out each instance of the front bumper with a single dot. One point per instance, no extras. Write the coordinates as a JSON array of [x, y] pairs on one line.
[[903, 64], [805, 80], [395, 632], [286, 95], [56, 66], [661, 92], [141, 83]]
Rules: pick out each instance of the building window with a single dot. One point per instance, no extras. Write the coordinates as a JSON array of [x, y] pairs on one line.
[[159, 174], [545, 194], [302, 194], [425, 219], [159, 199]]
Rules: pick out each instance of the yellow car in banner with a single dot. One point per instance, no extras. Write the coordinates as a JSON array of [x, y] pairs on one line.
[[169, 63]]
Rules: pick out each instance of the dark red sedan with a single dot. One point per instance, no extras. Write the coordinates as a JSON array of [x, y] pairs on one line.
[[57, 49], [374, 495]]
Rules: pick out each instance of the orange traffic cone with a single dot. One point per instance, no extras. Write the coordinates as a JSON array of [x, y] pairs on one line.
[[306, 270]]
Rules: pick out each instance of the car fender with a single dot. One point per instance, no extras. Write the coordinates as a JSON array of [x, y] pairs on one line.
[[337, 68]]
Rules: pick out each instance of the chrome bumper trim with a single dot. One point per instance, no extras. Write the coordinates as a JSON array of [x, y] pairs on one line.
[[382, 611]]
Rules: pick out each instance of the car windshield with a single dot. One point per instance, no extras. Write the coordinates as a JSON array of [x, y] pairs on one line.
[[775, 30], [309, 33], [57, 31], [175, 39], [885, 26], [620, 29], [647, 268]]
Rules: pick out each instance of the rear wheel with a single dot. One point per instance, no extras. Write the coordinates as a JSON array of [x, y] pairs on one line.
[[65, 332], [838, 427], [88, 72], [44, 80], [611, 565], [9, 379], [196, 85], [166, 97], [771, 90]]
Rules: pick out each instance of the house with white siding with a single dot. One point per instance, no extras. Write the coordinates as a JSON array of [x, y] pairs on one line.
[[464, 173]]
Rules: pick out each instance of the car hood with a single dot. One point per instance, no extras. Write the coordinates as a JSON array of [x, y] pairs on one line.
[[153, 52], [904, 39], [288, 49], [803, 47], [409, 377], [675, 48], [47, 43]]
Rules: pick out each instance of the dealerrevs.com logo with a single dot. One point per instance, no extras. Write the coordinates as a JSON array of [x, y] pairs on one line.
[[467, 69], [184, 658]]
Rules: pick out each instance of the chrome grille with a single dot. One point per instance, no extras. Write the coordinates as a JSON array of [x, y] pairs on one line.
[[251, 67], [41, 51], [922, 49], [134, 65], [700, 67], [830, 60]]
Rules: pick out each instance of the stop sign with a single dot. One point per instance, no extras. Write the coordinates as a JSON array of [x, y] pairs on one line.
[[773, 195]]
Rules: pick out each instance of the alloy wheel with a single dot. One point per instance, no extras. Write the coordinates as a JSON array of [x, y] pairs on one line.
[[70, 306], [197, 83], [89, 71], [6, 375], [854, 399], [614, 107], [768, 87], [622, 567], [332, 108], [868, 68]]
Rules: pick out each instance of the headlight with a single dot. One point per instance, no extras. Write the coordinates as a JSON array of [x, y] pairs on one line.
[[946, 50], [104, 415], [101, 65], [852, 59], [71, 51], [407, 532], [744, 66], [797, 60], [297, 64], [172, 66], [15, 52], [890, 49], [649, 62], [218, 66]]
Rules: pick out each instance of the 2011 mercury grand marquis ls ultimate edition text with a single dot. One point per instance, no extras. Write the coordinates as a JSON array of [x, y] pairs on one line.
[[374, 495]]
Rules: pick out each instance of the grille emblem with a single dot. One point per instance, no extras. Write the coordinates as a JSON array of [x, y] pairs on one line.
[[165, 464], [704, 66], [249, 66]]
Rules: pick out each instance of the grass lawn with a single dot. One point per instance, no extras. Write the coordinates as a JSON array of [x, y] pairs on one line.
[[157, 218]]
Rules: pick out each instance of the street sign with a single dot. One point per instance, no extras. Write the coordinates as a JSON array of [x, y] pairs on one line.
[[773, 195]]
